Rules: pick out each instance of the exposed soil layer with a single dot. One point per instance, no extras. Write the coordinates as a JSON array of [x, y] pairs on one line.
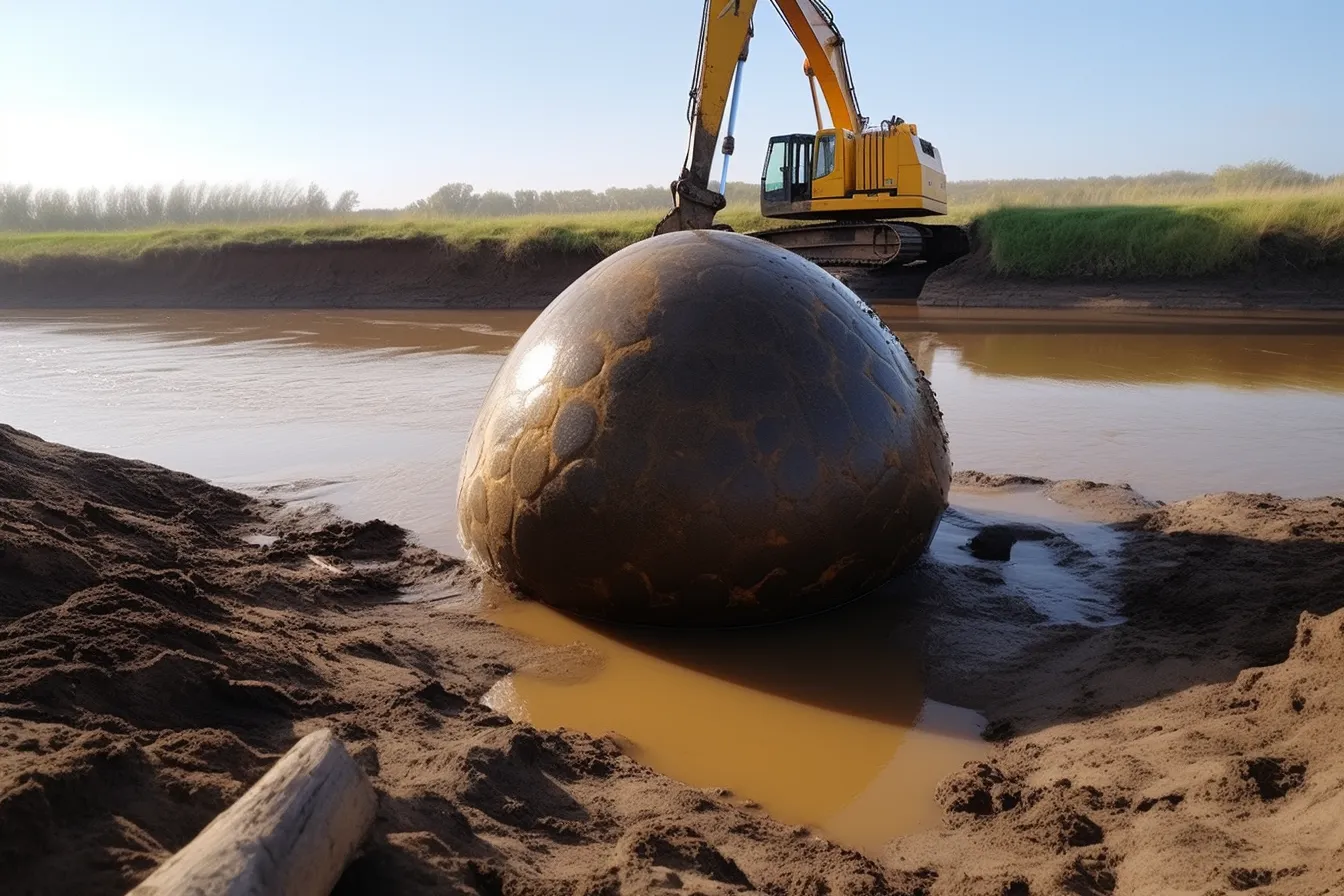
[[972, 282], [424, 273], [153, 663], [375, 273]]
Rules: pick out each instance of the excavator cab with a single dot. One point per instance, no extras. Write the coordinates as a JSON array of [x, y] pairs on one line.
[[788, 171], [880, 173]]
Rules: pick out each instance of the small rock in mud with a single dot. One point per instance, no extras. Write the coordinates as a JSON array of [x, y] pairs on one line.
[[993, 543]]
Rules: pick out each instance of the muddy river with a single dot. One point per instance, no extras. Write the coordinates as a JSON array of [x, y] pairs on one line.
[[824, 724]]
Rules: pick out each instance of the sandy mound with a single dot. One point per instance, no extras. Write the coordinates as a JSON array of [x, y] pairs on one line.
[[1227, 787], [1145, 762]]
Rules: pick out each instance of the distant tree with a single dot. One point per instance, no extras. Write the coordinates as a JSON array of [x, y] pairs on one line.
[[1265, 174], [53, 210], [134, 207], [493, 203], [88, 210], [315, 204], [112, 215], [177, 207], [346, 203], [16, 212], [449, 199], [156, 205], [578, 201], [526, 202]]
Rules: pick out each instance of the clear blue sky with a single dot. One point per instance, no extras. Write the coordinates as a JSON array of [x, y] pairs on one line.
[[395, 98]]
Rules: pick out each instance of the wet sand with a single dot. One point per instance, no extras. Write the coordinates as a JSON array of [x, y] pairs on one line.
[[155, 658]]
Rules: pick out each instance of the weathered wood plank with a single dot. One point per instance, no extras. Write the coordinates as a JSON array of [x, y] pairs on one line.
[[291, 834]]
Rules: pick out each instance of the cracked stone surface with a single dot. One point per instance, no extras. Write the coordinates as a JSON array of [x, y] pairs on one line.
[[703, 429]]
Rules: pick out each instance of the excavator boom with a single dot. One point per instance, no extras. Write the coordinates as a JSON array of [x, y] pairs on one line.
[[814, 29], [725, 30], [849, 173]]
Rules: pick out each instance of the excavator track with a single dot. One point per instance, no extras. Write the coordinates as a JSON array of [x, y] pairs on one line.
[[876, 244]]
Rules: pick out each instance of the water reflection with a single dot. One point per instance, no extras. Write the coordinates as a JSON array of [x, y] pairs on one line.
[[478, 332], [1247, 351]]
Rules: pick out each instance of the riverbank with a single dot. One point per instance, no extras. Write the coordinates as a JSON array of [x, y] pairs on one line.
[[1259, 252], [423, 273], [973, 282], [162, 640]]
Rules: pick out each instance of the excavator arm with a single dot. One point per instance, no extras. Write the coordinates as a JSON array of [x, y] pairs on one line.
[[813, 27], [725, 31]]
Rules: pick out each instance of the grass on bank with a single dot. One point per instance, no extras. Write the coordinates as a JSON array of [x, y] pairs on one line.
[[1165, 240], [604, 232], [516, 235], [1158, 239]]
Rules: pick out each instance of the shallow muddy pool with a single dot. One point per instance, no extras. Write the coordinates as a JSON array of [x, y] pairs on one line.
[[825, 723]]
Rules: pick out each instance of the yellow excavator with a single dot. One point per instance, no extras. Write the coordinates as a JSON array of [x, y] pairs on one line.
[[863, 182]]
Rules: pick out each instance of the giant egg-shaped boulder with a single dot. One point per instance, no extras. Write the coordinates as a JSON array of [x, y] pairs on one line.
[[703, 429]]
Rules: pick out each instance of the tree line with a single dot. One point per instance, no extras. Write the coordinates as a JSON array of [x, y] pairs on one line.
[[131, 207], [1261, 176], [462, 200]]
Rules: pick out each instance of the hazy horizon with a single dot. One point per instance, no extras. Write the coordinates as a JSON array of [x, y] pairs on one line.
[[396, 101]]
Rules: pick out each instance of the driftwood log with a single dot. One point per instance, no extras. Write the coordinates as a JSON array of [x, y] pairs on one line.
[[291, 833]]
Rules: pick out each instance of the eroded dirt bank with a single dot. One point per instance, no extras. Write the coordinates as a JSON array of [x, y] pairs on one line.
[[972, 282], [153, 663], [391, 273], [423, 273]]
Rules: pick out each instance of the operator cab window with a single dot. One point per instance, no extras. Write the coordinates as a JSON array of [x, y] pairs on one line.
[[801, 188], [788, 169], [825, 155], [775, 166]]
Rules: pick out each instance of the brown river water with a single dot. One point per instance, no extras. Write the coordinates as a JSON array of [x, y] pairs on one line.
[[825, 722]]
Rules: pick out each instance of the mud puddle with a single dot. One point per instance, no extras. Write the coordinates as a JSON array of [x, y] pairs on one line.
[[794, 717], [824, 722]]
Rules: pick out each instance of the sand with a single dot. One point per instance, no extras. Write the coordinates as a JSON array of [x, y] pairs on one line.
[[153, 663]]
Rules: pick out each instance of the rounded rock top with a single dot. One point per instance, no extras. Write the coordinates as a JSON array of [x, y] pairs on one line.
[[703, 429]]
